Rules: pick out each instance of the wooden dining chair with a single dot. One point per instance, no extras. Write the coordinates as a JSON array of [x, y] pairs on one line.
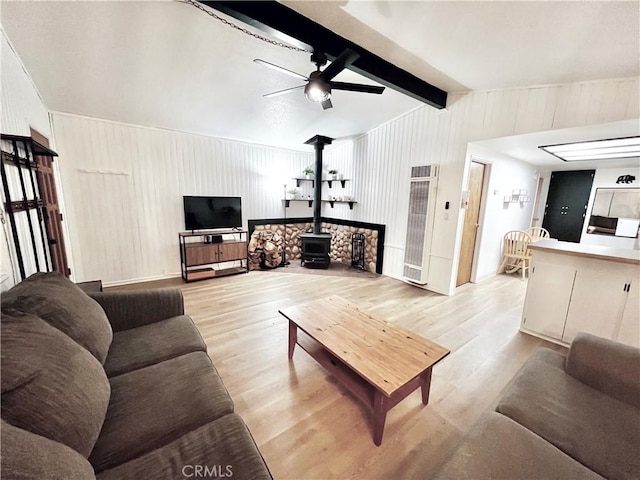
[[515, 252], [538, 233]]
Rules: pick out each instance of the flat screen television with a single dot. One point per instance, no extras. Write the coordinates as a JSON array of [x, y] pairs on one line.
[[202, 213]]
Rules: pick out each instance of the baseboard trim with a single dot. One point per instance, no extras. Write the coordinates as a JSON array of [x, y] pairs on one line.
[[131, 281]]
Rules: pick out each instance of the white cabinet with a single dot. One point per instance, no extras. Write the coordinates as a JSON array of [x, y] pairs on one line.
[[629, 330], [598, 298], [547, 300], [570, 293]]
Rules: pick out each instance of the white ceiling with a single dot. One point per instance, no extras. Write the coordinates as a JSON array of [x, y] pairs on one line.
[[166, 64], [496, 44]]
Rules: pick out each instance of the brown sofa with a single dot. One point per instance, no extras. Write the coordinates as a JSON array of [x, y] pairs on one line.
[[574, 417], [117, 386]]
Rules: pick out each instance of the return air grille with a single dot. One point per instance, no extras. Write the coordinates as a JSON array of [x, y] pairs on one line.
[[419, 223], [423, 171], [412, 273]]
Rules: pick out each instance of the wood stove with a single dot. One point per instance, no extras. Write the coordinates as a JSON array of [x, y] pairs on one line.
[[315, 250], [317, 245]]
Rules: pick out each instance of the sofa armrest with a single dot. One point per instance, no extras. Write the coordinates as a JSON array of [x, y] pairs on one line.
[[610, 367], [127, 310]]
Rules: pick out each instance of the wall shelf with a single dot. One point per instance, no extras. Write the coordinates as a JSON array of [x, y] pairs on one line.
[[299, 180], [342, 181], [350, 202], [286, 201]]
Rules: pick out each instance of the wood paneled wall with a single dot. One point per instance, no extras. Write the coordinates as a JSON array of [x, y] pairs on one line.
[[124, 186], [22, 108], [381, 159], [124, 183]]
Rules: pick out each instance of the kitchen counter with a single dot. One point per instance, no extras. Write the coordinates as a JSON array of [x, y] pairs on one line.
[[590, 251], [582, 288]]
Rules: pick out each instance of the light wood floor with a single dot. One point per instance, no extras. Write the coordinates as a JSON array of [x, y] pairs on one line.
[[305, 424]]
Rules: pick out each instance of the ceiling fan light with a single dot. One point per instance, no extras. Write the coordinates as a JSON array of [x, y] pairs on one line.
[[317, 91]]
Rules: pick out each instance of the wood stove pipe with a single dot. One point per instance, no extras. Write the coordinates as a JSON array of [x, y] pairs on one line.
[[318, 143]]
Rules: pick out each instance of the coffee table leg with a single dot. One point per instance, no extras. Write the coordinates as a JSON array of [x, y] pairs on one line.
[[293, 337], [425, 386], [379, 417]]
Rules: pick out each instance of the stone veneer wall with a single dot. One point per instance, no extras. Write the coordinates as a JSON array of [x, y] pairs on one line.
[[340, 242]]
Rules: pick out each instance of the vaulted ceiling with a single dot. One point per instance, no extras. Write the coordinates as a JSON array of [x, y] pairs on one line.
[[167, 64]]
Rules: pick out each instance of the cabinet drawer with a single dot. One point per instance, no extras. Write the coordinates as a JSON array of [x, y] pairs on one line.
[[201, 254]]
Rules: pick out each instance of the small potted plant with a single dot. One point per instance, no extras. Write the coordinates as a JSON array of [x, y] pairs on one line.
[[308, 171], [292, 193], [334, 174]]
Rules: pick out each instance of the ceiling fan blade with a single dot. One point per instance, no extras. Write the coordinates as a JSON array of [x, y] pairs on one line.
[[345, 59], [280, 92], [356, 87], [280, 69], [327, 104]]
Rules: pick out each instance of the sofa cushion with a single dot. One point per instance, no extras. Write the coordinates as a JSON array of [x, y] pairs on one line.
[[60, 303], [155, 405], [50, 385], [150, 344], [222, 448], [499, 448], [597, 430], [27, 456], [607, 366]]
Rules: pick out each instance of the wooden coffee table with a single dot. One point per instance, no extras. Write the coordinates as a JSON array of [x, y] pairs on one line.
[[380, 363]]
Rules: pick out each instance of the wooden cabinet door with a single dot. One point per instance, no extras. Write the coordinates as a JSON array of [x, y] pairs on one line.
[[596, 302], [629, 329], [232, 251], [201, 254], [548, 297]]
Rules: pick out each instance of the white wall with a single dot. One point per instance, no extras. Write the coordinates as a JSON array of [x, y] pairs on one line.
[[125, 212], [22, 107], [381, 159], [497, 217], [124, 186], [606, 178]]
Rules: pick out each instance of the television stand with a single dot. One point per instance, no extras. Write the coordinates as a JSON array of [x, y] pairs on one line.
[[200, 259]]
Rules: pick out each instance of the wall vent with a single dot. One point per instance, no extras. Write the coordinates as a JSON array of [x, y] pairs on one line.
[[419, 223], [423, 171]]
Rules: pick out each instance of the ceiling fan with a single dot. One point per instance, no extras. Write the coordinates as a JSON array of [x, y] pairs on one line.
[[320, 83]]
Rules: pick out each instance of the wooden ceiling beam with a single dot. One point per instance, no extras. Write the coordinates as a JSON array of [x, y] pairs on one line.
[[284, 23]]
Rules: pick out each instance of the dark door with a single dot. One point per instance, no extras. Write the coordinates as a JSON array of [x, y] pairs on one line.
[[567, 202], [53, 217]]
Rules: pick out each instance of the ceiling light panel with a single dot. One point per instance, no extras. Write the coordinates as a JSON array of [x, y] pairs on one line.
[[612, 148]]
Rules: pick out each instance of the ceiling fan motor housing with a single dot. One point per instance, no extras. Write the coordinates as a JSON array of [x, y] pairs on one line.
[[319, 58]]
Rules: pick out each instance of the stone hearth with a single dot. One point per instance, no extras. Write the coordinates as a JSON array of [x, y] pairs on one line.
[[272, 238]]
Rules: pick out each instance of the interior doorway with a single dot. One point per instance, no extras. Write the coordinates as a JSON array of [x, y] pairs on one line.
[[53, 216], [535, 218], [471, 222], [567, 203]]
